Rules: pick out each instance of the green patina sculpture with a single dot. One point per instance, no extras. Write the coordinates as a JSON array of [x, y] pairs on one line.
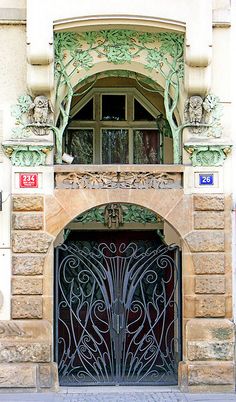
[[27, 155], [207, 155], [130, 213], [162, 53]]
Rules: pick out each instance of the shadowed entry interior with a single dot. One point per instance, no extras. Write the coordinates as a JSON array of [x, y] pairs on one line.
[[117, 311]]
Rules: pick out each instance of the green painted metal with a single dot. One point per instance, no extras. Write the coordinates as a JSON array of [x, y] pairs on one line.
[[131, 213], [209, 155], [162, 53]]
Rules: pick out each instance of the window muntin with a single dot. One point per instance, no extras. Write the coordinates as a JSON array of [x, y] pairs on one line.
[[123, 130]]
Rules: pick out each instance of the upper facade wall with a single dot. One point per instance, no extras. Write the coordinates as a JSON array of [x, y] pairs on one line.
[[194, 17]]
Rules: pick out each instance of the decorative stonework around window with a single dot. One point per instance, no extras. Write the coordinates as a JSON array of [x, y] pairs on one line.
[[114, 180], [160, 53]]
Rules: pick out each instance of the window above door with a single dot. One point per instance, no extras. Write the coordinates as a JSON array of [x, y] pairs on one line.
[[114, 126]]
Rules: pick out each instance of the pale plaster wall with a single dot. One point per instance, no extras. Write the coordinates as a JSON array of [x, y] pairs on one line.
[[12, 84], [13, 3]]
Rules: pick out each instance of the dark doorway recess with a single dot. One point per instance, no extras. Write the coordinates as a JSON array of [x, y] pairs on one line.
[[117, 309]]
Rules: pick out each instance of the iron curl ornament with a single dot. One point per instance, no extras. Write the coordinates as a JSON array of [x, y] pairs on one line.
[[117, 313]]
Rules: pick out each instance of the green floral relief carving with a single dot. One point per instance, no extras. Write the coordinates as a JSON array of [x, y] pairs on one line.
[[161, 53], [19, 111], [27, 155], [212, 155], [131, 213]]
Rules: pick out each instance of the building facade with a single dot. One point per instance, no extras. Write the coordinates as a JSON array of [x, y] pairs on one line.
[[117, 195]]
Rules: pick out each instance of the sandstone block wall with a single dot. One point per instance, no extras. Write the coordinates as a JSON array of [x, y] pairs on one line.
[[26, 350], [209, 334]]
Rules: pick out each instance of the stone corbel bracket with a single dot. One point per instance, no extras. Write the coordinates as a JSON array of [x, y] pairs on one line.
[[27, 154], [207, 155]]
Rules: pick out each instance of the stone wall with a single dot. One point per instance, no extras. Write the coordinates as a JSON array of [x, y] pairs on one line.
[[26, 340], [203, 223], [209, 333]]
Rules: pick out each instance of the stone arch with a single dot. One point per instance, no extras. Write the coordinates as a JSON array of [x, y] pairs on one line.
[[65, 205]]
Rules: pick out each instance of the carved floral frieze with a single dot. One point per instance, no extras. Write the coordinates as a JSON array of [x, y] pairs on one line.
[[121, 180]]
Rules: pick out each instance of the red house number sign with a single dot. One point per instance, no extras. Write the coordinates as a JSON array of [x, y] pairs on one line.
[[28, 180]]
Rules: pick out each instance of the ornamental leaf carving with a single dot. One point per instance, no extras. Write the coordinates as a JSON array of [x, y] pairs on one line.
[[122, 180]]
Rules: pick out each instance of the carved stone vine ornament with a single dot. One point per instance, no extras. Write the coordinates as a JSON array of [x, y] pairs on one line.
[[122, 180], [202, 115]]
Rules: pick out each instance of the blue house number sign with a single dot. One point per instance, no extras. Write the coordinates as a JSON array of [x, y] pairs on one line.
[[206, 179]]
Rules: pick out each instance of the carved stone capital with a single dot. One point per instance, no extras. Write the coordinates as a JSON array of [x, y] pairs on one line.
[[207, 155], [27, 154]]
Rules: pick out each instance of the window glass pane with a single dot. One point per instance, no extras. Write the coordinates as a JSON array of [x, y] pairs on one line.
[[113, 107], [146, 146], [140, 113], [81, 146], [115, 146], [86, 112]]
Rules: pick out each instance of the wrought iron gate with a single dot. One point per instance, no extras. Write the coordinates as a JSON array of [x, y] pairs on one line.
[[117, 313]]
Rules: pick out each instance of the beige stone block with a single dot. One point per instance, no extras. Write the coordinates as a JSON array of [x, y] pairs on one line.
[[27, 203], [187, 263], [26, 331], [188, 284], [210, 350], [48, 376], [210, 329], [209, 220], [28, 221], [48, 308], [208, 202], [30, 242], [229, 307], [61, 208], [17, 375], [27, 286], [56, 217], [24, 352], [212, 373], [205, 241], [210, 263], [189, 307], [27, 307], [210, 284], [210, 306], [181, 215], [28, 264]]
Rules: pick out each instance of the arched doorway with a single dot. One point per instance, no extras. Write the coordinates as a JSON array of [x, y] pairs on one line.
[[117, 301]]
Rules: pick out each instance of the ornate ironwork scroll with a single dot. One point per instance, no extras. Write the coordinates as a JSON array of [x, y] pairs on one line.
[[117, 313], [122, 180]]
